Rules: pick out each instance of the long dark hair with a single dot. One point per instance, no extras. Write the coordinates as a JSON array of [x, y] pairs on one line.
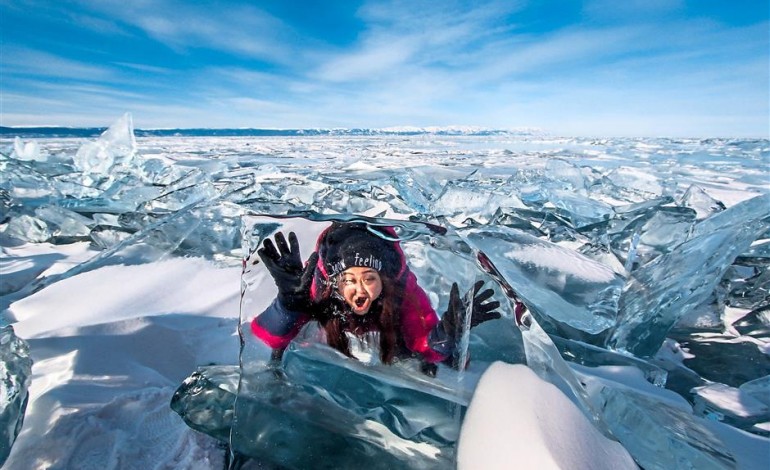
[[383, 317]]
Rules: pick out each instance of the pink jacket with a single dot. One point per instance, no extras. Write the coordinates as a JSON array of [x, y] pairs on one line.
[[277, 326]]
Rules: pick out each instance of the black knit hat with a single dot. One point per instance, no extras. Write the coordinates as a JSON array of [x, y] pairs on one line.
[[349, 244]]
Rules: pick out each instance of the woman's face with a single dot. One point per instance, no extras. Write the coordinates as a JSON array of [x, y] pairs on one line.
[[360, 287]]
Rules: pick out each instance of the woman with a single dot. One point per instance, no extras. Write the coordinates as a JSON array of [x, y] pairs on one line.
[[357, 286]]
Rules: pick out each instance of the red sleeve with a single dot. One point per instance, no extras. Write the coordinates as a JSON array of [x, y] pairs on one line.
[[418, 319], [277, 326]]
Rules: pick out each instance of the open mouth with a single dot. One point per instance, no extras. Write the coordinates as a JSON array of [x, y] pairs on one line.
[[360, 301]]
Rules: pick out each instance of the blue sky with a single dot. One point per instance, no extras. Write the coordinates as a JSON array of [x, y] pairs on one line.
[[591, 68]]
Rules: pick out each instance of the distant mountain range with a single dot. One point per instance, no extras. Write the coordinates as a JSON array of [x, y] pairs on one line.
[[41, 132]]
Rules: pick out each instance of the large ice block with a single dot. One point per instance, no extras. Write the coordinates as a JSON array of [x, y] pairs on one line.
[[660, 293], [401, 415], [66, 224], [322, 411], [318, 410]]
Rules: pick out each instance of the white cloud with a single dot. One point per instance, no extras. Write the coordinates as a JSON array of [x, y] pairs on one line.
[[24, 61], [631, 10], [232, 28], [369, 63], [413, 35], [146, 68], [557, 53]]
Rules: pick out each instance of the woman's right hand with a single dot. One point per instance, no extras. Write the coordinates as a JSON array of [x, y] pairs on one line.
[[285, 266], [481, 310]]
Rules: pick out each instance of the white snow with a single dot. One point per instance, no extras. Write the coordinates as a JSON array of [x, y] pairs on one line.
[[567, 262], [517, 420], [110, 347]]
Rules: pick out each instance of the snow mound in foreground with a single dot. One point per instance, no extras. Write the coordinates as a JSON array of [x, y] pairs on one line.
[[548, 430]]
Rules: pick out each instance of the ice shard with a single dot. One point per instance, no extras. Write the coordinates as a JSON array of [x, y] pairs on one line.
[[27, 228], [698, 200], [22, 182], [546, 361], [660, 293], [658, 434], [752, 211], [318, 410], [15, 376], [116, 146], [744, 407], [588, 355], [725, 359], [747, 283], [530, 186], [658, 232], [758, 389], [558, 284], [414, 189], [755, 323], [631, 184], [205, 400], [160, 237], [639, 233], [578, 209], [65, 224], [565, 176], [29, 151], [467, 200]]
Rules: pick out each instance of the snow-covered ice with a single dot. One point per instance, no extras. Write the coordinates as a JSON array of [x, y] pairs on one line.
[[121, 270]]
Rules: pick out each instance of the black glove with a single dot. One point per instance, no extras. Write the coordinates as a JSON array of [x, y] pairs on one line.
[[285, 265], [451, 321]]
